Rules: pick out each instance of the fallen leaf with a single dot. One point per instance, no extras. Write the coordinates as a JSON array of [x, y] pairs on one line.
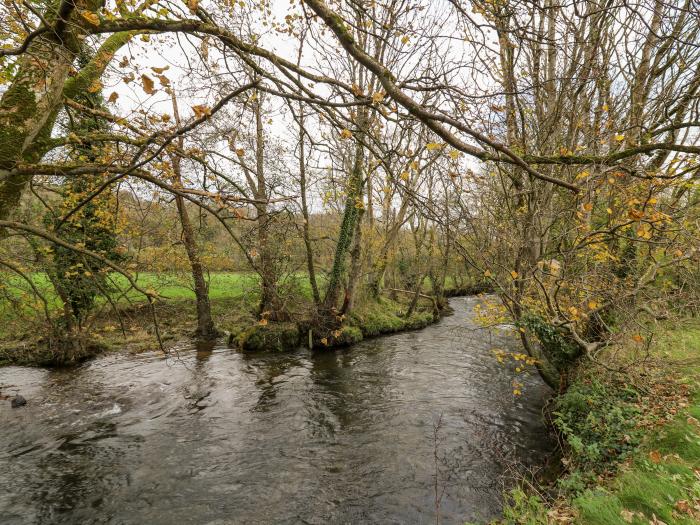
[[655, 456]]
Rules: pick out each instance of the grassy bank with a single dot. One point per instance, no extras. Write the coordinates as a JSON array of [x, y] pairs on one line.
[[630, 439], [234, 298]]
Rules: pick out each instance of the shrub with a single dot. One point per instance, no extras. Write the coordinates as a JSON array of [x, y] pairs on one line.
[[598, 424]]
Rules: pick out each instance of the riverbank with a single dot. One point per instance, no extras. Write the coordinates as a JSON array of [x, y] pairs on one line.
[[131, 327], [630, 438]]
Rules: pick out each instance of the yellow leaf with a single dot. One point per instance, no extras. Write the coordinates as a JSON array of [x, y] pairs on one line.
[[160, 70], [345, 134], [637, 338], [147, 84], [514, 274], [201, 110], [592, 305], [404, 176], [325, 341], [91, 17], [377, 97], [487, 273], [262, 322], [431, 146], [405, 39], [240, 152], [454, 154], [588, 206], [192, 4], [609, 211], [619, 137], [95, 86]]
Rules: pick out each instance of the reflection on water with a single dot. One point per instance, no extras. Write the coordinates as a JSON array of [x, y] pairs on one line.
[[210, 435]]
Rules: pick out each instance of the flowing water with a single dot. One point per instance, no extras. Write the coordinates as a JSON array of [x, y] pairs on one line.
[[215, 436]]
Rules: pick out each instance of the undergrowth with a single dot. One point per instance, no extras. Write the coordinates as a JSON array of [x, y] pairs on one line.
[[630, 442]]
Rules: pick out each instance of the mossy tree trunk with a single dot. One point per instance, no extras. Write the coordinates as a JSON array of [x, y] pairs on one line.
[[351, 216], [34, 94], [29, 107]]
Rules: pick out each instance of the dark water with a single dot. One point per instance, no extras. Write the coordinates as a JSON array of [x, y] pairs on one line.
[[344, 436]]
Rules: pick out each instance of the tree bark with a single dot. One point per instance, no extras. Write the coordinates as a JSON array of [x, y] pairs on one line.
[[205, 323]]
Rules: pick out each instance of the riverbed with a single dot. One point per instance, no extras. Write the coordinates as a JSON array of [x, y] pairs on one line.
[[209, 435]]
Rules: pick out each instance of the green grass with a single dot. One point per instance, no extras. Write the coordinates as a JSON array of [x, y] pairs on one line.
[[170, 286], [660, 478], [663, 470]]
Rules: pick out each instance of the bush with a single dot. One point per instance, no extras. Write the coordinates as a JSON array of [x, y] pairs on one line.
[[557, 347], [598, 424]]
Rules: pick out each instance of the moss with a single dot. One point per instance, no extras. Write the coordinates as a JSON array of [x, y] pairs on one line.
[[377, 318], [52, 352], [275, 337], [386, 316], [419, 320], [348, 335]]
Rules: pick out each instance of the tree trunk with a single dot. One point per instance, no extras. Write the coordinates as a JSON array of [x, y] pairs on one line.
[[270, 304], [29, 107], [205, 323], [355, 267], [350, 218], [305, 213]]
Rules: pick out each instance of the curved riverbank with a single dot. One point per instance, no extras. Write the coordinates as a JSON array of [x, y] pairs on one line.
[[132, 329], [207, 434]]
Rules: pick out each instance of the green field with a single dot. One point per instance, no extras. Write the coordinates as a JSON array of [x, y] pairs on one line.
[[222, 285]]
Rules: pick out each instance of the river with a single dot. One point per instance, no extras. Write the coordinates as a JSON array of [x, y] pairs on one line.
[[213, 436]]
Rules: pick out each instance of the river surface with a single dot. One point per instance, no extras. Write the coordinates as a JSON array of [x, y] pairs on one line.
[[213, 436]]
